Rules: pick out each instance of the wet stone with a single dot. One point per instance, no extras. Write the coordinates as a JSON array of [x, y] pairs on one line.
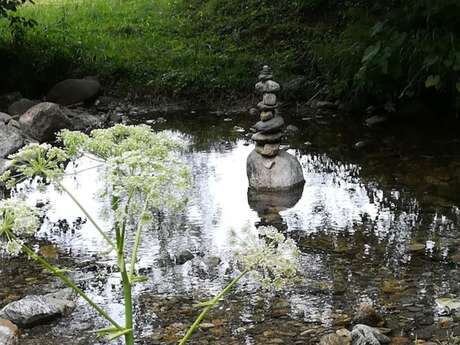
[[367, 315], [269, 99], [267, 138], [262, 106], [268, 150], [270, 126], [268, 86], [266, 115]]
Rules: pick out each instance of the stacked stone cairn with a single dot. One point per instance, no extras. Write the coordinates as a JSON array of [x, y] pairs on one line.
[[269, 168], [269, 128]]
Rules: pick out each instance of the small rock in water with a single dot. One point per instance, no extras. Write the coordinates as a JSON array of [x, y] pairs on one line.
[[368, 316], [238, 129], [360, 144], [228, 119], [308, 143], [345, 334], [333, 339], [184, 256], [325, 105], [291, 129], [366, 335], [34, 309], [375, 120], [8, 333]]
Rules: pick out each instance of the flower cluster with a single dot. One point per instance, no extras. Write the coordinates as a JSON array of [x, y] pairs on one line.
[[271, 258], [42, 160], [17, 221], [139, 164]]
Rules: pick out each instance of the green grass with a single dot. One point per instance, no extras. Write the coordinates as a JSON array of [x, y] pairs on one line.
[[137, 43]]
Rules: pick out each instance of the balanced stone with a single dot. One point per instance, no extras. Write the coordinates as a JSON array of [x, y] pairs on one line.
[[268, 86], [269, 99], [268, 150], [263, 106], [283, 173], [266, 73], [271, 126], [266, 115], [267, 138]]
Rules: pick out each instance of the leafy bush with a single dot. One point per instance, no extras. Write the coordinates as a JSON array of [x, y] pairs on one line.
[[17, 23]]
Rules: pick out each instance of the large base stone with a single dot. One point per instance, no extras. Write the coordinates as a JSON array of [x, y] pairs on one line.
[[282, 172]]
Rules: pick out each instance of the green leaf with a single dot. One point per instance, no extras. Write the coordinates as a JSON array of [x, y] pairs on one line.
[[371, 52], [433, 81], [111, 332], [139, 279], [376, 29]]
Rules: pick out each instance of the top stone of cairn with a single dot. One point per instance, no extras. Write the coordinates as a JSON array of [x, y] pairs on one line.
[[266, 73]]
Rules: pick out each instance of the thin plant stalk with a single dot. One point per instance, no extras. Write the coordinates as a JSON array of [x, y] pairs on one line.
[[120, 230], [58, 273], [91, 219], [137, 240], [209, 306]]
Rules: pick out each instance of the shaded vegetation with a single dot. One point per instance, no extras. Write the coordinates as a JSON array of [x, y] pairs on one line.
[[365, 52]]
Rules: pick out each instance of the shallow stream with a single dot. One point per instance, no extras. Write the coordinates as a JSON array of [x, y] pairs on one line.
[[376, 222]]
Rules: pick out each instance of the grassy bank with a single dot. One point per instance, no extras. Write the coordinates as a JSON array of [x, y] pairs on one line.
[[137, 44], [363, 52]]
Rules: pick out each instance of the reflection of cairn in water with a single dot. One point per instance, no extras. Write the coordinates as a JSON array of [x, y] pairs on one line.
[[268, 168]]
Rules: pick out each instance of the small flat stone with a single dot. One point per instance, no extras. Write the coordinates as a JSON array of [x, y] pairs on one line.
[[268, 150], [269, 99], [263, 106], [266, 115], [270, 126], [267, 138], [267, 86]]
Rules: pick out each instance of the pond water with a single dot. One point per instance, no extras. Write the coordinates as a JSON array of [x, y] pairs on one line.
[[377, 224]]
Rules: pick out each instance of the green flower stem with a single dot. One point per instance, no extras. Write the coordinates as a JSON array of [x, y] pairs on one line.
[[137, 240], [125, 279], [58, 273], [91, 219], [209, 306]]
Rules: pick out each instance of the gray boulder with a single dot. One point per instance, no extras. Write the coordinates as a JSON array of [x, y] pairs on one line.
[[8, 333], [366, 335], [4, 117], [281, 172], [11, 139], [43, 120], [21, 106], [71, 91], [32, 310], [271, 126]]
